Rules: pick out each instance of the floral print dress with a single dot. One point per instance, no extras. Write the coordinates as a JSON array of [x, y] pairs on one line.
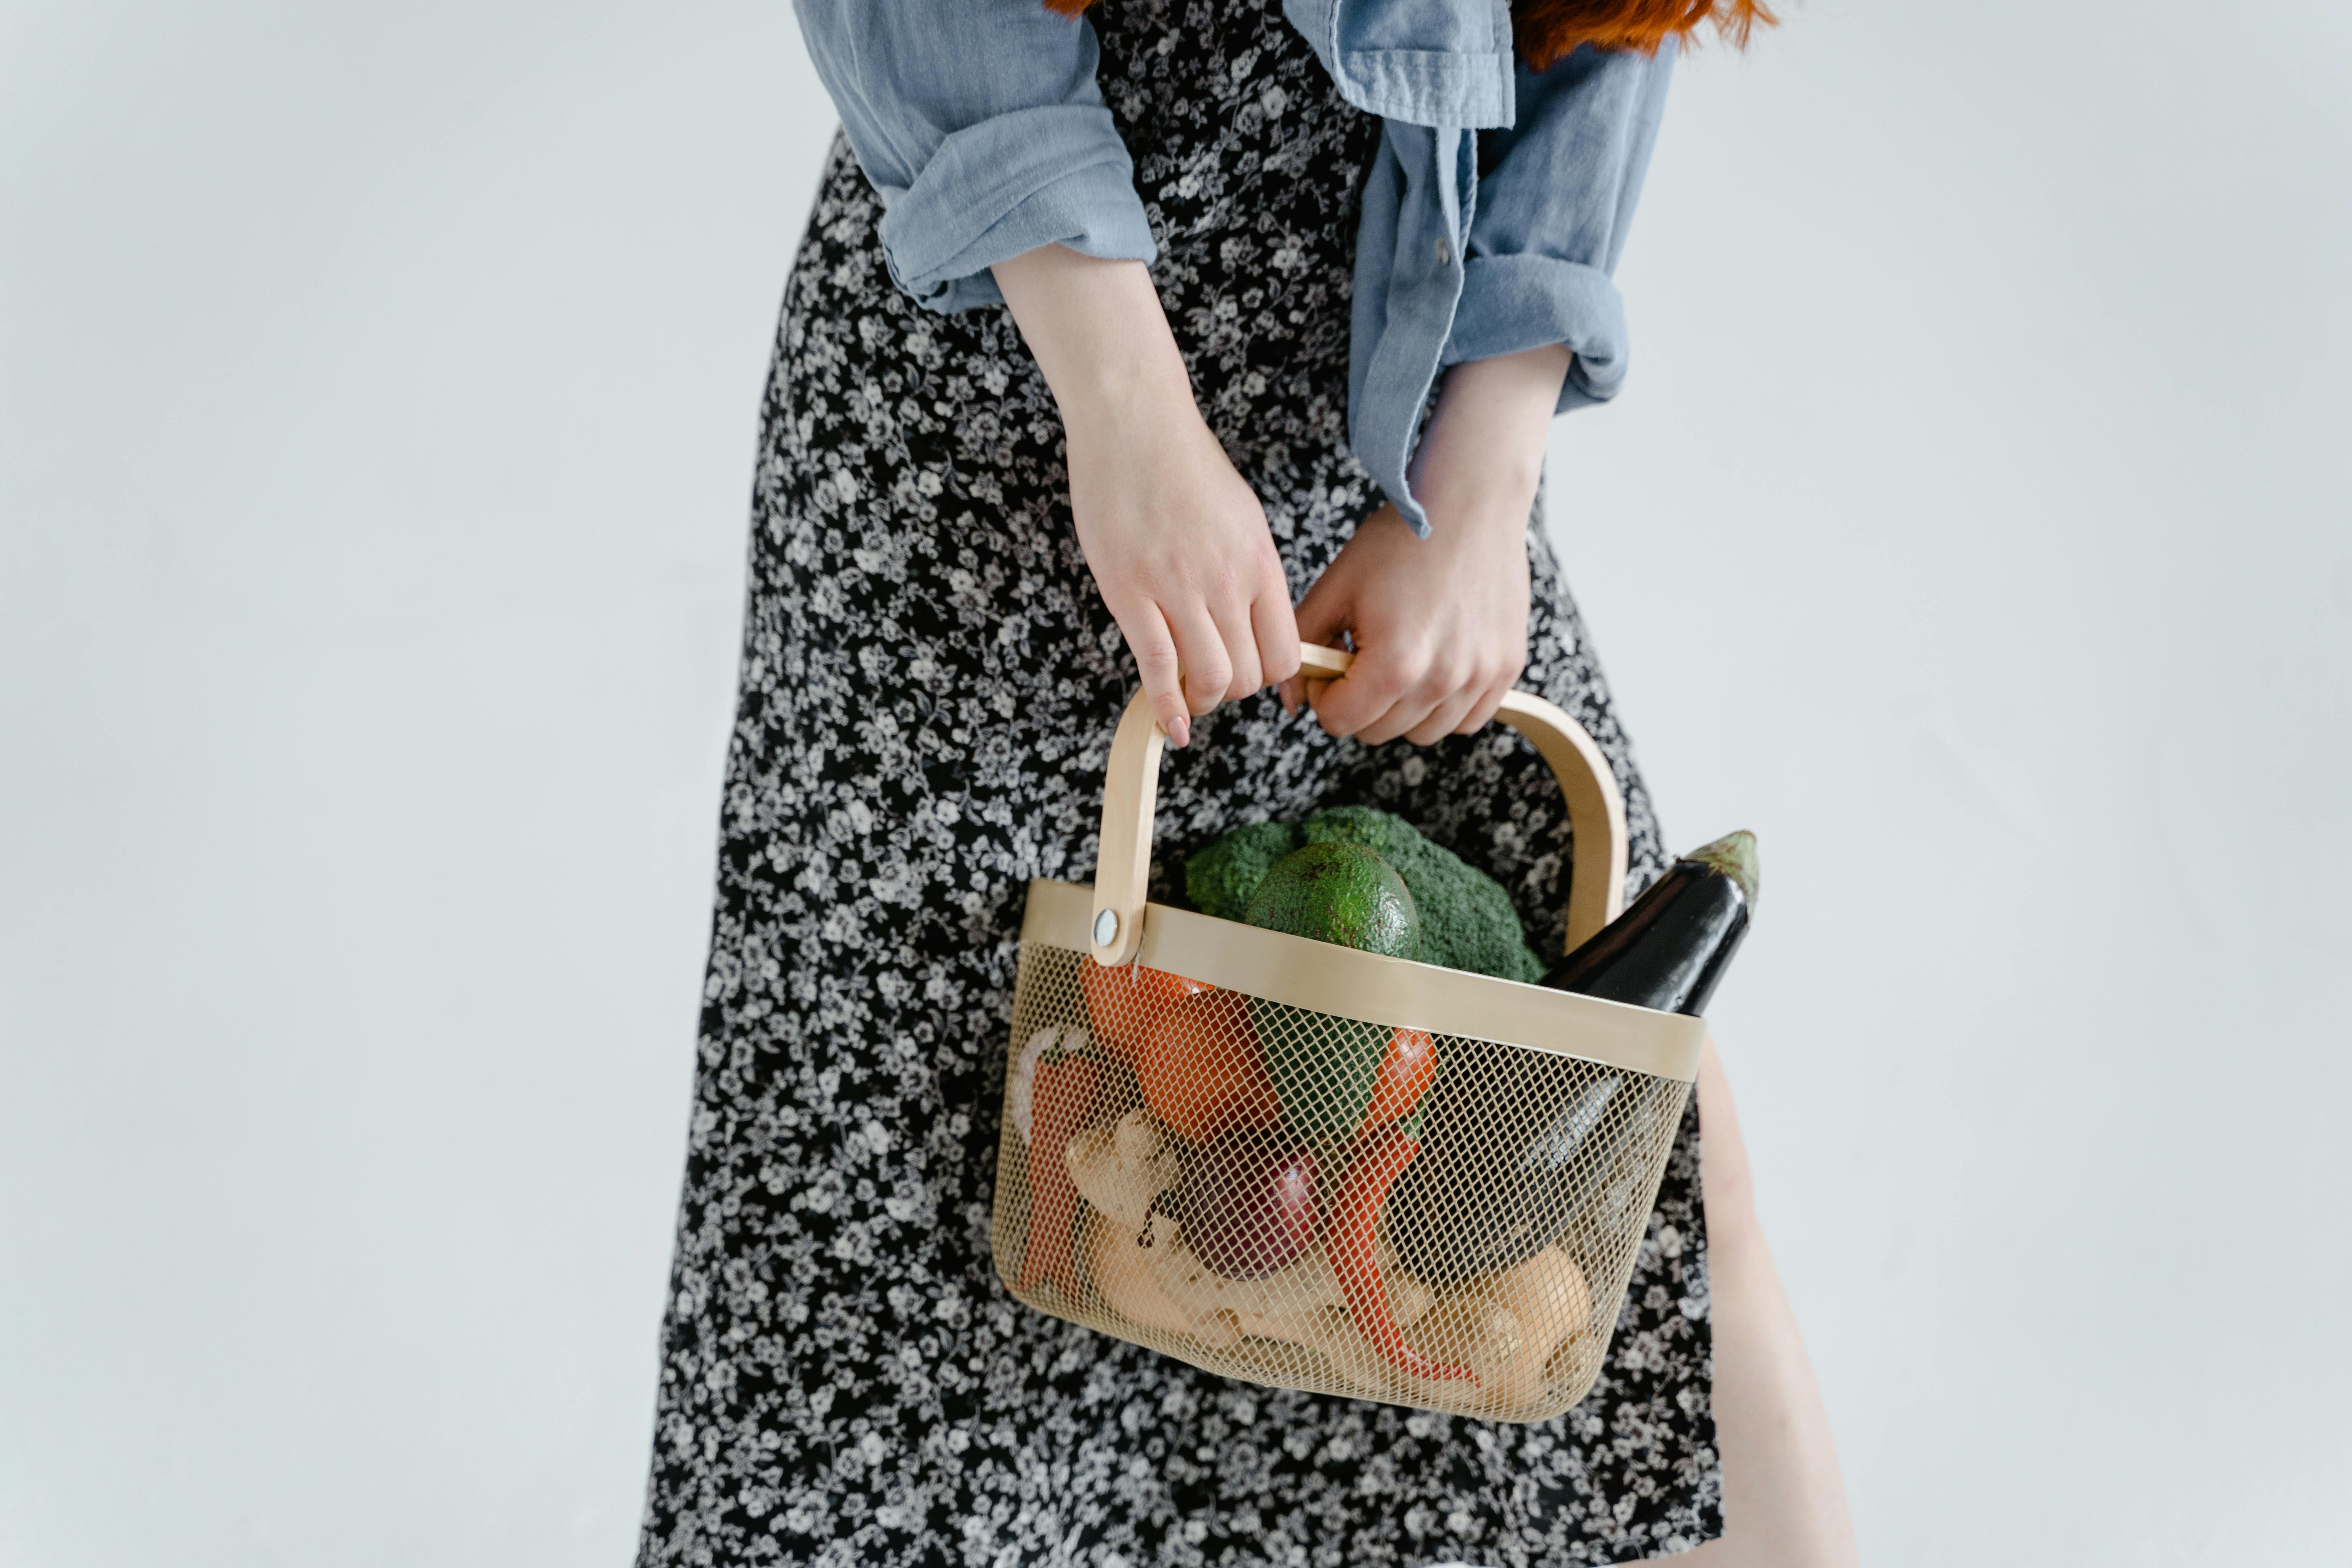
[[929, 684]]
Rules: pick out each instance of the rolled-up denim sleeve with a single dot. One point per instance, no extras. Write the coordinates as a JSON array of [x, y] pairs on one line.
[[981, 125], [1556, 195]]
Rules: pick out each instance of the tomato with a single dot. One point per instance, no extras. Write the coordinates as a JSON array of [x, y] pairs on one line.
[[1200, 1069], [1124, 1002], [1406, 1070]]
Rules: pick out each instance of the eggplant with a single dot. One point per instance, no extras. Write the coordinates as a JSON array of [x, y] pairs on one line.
[[1514, 1152], [1669, 951], [1507, 1164]]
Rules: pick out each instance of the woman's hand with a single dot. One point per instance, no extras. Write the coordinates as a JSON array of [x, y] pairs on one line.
[[1175, 538], [1439, 624]]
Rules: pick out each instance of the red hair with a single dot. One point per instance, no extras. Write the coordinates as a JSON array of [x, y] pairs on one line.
[[1549, 30]]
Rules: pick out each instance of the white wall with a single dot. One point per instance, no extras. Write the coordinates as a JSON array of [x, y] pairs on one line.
[[377, 398]]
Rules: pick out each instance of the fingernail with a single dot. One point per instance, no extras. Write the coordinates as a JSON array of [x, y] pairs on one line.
[[1180, 733]]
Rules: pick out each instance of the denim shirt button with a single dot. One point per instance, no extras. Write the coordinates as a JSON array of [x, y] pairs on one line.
[[1445, 253]]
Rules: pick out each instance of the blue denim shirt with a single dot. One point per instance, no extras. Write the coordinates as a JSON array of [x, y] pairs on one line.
[[1492, 218]]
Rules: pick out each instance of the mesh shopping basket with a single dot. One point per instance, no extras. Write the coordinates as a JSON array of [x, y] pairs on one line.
[[1312, 1167]]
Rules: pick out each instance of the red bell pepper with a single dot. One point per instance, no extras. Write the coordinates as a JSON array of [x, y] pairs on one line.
[[1202, 1069], [1125, 1002]]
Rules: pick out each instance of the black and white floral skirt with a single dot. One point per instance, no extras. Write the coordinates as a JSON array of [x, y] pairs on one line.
[[929, 684]]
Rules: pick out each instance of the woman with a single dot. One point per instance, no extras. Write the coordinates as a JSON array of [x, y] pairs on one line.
[[1110, 337]]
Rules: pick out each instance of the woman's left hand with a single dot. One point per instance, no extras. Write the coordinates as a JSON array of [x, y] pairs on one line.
[[1439, 624]]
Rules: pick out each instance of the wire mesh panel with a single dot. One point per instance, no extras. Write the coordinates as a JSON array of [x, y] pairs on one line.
[[1312, 1201]]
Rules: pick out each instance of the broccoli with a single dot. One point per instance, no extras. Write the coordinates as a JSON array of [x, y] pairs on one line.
[[1223, 876], [1466, 919]]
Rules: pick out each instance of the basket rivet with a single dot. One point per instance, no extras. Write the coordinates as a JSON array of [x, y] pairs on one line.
[[1105, 928]]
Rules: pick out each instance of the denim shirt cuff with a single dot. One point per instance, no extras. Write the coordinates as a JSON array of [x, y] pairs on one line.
[[1058, 174], [1510, 303]]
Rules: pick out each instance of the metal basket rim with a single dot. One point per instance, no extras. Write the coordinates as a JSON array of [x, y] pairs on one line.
[[1371, 988]]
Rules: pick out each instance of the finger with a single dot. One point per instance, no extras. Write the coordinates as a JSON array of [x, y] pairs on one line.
[[1325, 615], [1403, 716], [1201, 650], [1489, 702], [1239, 640], [1446, 717], [1148, 639], [1373, 686], [1442, 679], [1322, 618], [1275, 628], [1297, 690]]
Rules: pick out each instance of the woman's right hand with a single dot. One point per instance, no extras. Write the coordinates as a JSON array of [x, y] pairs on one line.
[[1174, 536]]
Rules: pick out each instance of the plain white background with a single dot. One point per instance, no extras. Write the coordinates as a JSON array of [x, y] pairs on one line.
[[378, 389]]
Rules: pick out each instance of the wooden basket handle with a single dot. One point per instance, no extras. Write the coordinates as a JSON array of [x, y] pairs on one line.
[[1596, 814]]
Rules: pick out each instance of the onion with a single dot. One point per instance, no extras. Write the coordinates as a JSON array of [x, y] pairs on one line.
[[1247, 1203]]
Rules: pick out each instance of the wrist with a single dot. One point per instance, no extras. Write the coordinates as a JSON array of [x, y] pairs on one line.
[[1496, 413], [1138, 389], [1096, 331]]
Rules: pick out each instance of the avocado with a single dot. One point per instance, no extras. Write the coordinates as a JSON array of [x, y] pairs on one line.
[[1466, 918], [1340, 893], [1324, 1067], [1221, 878]]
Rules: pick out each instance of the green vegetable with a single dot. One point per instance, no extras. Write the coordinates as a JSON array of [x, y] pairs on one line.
[[1342, 894], [1221, 877], [1466, 919], [1324, 1071]]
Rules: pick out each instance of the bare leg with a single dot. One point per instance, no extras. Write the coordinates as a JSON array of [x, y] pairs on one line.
[[1783, 1499]]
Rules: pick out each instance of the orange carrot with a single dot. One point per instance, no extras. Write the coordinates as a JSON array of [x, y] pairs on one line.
[[1062, 1102]]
